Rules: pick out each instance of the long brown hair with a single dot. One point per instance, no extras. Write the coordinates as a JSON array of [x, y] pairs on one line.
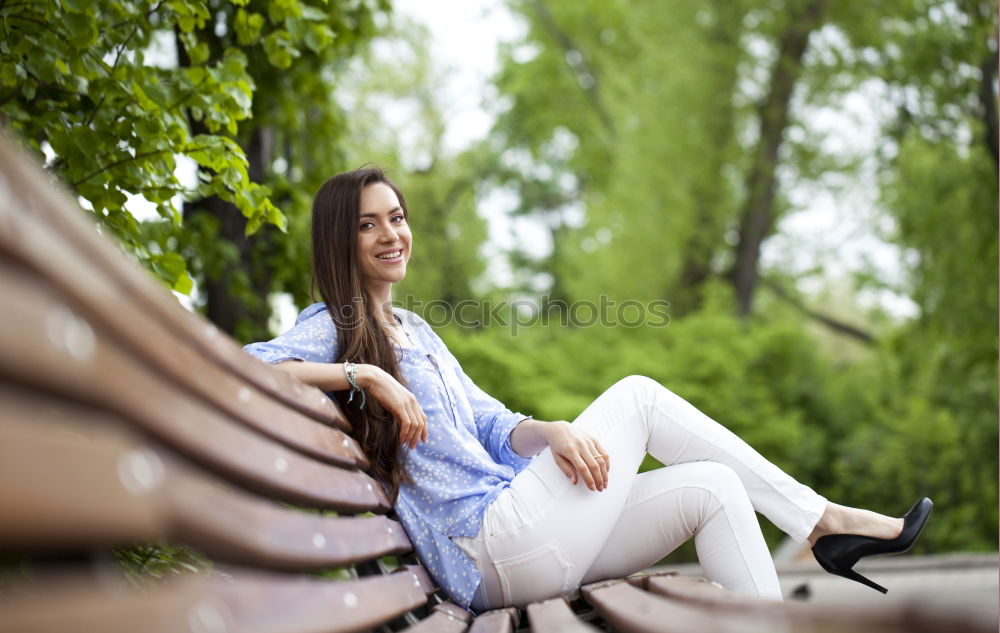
[[360, 338]]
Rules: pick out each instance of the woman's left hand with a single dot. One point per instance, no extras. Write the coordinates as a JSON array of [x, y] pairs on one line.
[[578, 454]]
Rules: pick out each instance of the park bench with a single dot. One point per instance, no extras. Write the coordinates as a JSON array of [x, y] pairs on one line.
[[128, 420]]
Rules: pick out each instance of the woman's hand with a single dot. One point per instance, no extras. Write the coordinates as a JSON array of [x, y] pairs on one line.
[[397, 400], [577, 453]]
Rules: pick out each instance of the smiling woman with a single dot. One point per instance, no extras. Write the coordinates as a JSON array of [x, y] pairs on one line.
[[492, 498]]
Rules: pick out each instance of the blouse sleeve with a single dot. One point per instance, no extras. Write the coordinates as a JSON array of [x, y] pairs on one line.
[[312, 338]]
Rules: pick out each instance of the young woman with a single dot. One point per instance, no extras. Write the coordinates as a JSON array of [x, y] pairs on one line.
[[504, 509]]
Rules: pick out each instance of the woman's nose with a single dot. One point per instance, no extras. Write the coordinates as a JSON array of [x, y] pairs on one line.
[[387, 233]]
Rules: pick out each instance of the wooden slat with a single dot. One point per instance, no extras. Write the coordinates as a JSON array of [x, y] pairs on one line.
[[249, 604], [68, 477], [86, 607], [70, 356], [418, 572], [64, 487], [35, 195], [445, 618], [453, 611], [293, 605], [555, 615], [701, 591], [894, 616], [496, 621], [632, 610], [238, 527], [438, 622], [101, 302], [641, 579]]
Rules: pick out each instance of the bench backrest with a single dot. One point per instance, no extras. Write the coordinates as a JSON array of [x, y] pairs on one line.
[[126, 419]]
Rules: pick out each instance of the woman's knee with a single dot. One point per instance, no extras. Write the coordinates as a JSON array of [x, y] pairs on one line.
[[636, 383], [636, 389], [632, 396], [645, 389], [718, 481]]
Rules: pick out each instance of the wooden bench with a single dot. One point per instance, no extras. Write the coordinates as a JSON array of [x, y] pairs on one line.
[[125, 419]]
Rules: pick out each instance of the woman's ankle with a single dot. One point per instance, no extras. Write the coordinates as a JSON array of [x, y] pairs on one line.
[[838, 519], [828, 523]]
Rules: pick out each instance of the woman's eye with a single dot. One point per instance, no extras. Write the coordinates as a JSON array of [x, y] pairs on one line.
[[366, 225], [398, 219]]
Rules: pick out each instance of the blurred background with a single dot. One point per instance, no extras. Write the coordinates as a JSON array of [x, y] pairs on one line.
[[810, 185]]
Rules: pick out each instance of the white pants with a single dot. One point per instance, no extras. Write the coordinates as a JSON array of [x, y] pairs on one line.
[[544, 536]]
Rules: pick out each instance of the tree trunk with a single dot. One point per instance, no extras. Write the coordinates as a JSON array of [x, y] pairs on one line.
[[226, 304], [711, 219], [757, 214], [241, 316], [988, 100]]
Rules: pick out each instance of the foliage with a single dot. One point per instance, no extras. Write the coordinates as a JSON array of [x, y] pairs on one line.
[[143, 564], [116, 92], [630, 132]]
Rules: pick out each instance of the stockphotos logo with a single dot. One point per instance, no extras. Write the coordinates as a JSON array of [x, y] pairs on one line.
[[523, 313]]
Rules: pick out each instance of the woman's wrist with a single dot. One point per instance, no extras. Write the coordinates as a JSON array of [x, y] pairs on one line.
[[547, 429], [365, 374], [530, 437]]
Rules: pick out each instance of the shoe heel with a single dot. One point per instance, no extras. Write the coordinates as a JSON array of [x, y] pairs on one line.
[[855, 576]]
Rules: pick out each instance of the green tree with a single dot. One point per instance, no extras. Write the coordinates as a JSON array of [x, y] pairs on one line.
[[114, 92]]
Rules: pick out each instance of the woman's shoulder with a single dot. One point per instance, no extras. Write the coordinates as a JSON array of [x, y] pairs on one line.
[[311, 311]]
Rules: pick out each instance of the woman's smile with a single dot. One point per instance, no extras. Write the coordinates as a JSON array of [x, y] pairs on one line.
[[391, 257]]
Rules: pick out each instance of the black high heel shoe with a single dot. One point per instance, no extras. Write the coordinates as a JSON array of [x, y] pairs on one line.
[[838, 553]]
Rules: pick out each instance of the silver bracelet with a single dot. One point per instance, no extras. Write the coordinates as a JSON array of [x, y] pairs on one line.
[[351, 373]]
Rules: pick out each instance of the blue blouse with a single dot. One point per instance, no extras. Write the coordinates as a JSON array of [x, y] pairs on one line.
[[467, 459]]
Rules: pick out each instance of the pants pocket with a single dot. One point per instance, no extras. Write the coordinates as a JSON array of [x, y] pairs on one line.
[[544, 572], [503, 516]]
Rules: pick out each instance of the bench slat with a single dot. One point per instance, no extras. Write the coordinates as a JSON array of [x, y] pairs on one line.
[[453, 611], [894, 616], [446, 618], [632, 610], [72, 357], [87, 607], [438, 622], [304, 606], [105, 305], [59, 486], [556, 616], [100, 484], [496, 621], [418, 571], [235, 526], [249, 604], [35, 195]]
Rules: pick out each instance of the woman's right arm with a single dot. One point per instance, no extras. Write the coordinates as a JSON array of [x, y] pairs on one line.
[[326, 376], [394, 397]]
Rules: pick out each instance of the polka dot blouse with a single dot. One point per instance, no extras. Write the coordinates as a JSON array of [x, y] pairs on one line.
[[466, 461]]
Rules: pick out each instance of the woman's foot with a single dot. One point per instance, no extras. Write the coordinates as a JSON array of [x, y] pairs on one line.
[[838, 519], [856, 534]]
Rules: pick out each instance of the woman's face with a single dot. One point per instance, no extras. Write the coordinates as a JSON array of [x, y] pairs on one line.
[[383, 236]]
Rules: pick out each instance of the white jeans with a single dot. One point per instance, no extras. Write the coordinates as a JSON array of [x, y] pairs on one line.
[[544, 536]]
